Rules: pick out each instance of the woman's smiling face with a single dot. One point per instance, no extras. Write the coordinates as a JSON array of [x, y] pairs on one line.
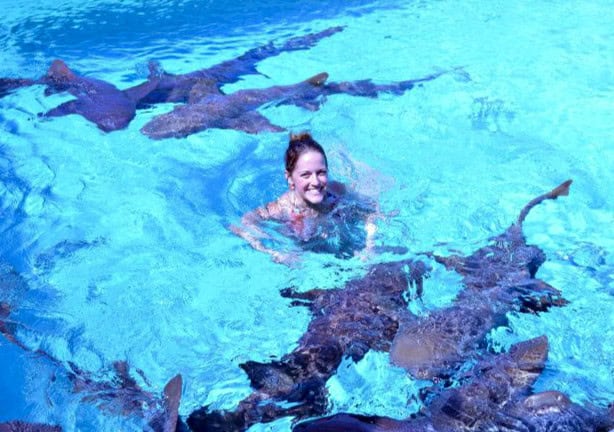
[[309, 179]]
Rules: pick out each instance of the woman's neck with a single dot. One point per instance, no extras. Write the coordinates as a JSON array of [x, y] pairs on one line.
[[300, 206]]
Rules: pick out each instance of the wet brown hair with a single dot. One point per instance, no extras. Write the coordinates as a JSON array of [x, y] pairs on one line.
[[301, 143]]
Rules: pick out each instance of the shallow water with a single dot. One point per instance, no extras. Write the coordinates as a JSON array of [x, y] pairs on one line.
[[123, 241]]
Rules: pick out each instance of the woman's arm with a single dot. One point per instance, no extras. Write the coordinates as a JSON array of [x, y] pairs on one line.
[[250, 227], [251, 232]]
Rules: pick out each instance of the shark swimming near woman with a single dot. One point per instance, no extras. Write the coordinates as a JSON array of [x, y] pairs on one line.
[[201, 102]]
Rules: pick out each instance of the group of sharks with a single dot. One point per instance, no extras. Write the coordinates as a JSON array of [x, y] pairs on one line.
[[371, 313], [200, 101], [473, 389]]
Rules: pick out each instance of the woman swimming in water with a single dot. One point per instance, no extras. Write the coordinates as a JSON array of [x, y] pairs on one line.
[[310, 207]]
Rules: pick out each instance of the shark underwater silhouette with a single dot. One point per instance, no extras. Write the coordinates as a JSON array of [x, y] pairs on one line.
[[371, 313], [344, 325], [119, 394], [495, 397], [20, 426], [497, 279], [201, 102], [111, 108], [96, 100], [496, 393], [192, 86], [238, 110]]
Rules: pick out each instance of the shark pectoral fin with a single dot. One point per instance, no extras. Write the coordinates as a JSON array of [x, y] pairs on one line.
[[270, 377], [251, 122], [141, 91], [66, 108], [182, 121], [9, 84]]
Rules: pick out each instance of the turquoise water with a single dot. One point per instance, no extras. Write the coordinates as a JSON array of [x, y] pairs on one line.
[[123, 241]]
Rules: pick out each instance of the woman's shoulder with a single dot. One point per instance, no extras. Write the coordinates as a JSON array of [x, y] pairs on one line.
[[277, 209]]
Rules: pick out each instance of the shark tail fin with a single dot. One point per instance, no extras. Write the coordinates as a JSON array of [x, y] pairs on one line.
[[560, 190]]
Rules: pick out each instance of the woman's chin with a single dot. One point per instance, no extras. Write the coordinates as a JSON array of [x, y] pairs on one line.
[[315, 200]]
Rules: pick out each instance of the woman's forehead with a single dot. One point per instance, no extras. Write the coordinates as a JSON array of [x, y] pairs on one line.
[[309, 160]]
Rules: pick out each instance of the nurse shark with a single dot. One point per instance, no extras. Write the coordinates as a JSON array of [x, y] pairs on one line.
[[202, 103], [495, 396], [21, 426], [238, 110], [371, 313], [96, 100], [111, 108], [192, 86], [347, 322], [497, 279]]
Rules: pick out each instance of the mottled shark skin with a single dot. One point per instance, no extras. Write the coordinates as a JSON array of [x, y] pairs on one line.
[[196, 85], [112, 109], [238, 110], [98, 101], [20, 426], [498, 278], [347, 322], [495, 397], [7, 85], [233, 111], [120, 394]]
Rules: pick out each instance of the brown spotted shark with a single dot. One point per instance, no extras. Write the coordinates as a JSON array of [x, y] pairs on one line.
[[496, 396], [96, 100], [111, 108], [238, 110], [372, 314], [192, 86], [21, 426], [347, 322], [498, 278]]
